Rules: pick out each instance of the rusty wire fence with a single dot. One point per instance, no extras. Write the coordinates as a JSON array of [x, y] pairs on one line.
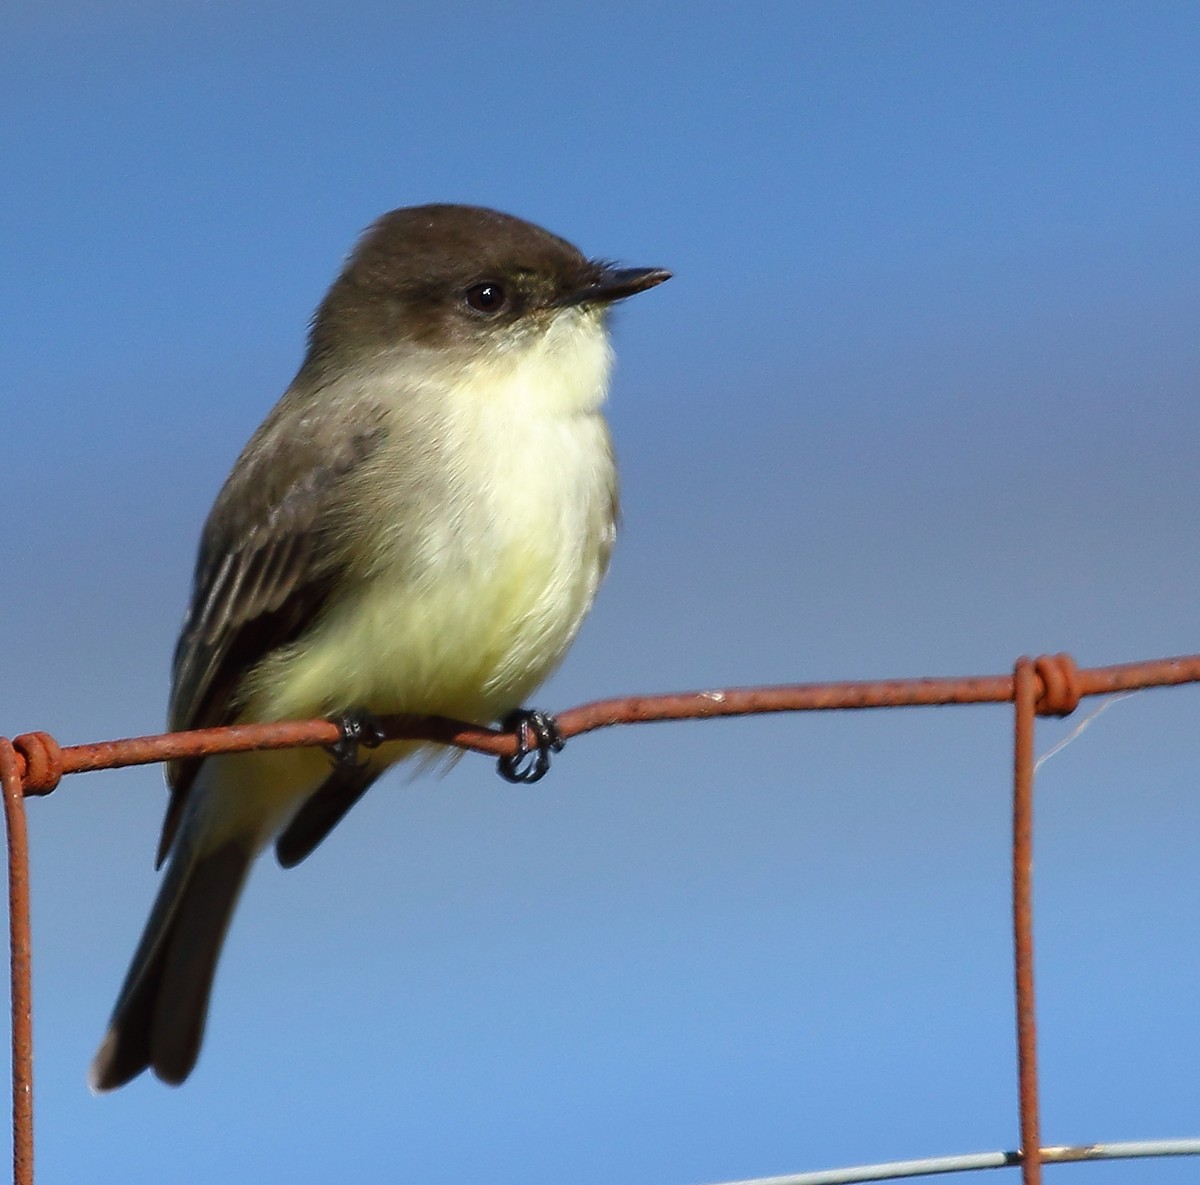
[[34, 763]]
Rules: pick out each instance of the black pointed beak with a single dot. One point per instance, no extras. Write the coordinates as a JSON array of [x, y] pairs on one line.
[[614, 284]]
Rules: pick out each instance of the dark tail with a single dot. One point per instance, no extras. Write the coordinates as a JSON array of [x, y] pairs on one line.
[[158, 1022]]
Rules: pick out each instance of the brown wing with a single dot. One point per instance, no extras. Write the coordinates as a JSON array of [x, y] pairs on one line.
[[270, 556]]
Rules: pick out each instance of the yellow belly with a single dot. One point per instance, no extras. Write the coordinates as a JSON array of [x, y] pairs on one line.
[[472, 627], [472, 645]]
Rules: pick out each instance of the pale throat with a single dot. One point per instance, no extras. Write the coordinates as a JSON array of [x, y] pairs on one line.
[[561, 371]]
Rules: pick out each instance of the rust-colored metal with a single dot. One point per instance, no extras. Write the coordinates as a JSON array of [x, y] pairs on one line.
[[1060, 681], [43, 762], [1060, 686], [1050, 685], [19, 964], [1026, 695]]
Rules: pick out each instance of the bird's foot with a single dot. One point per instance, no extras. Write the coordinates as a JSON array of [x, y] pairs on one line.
[[537, 737], [360, 730]]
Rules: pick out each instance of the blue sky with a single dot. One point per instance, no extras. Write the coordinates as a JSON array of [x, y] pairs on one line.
[[921, 397]]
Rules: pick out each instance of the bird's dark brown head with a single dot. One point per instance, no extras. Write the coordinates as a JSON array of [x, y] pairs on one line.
[[458, 277]]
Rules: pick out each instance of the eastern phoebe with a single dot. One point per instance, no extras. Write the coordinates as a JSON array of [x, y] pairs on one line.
[[419, 526]]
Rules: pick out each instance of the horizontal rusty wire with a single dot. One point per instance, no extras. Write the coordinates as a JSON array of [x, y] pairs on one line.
[[1060, 685], [1052, 685]]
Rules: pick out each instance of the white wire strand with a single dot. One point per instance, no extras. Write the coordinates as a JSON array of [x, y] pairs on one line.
[[933, 1166], [1073, 735]]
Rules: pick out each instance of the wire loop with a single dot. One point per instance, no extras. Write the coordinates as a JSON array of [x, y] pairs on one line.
[[43, 762], [1061, 687]]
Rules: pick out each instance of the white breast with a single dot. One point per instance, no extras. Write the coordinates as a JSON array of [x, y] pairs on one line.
[[469, 615]]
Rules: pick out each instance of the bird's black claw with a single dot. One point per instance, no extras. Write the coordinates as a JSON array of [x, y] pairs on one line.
[[537, 737], [359, 729]]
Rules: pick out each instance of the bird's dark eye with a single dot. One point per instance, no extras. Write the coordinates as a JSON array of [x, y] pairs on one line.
[[488, 297]]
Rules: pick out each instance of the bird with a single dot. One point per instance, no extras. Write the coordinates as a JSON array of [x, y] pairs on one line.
[[419, 525]]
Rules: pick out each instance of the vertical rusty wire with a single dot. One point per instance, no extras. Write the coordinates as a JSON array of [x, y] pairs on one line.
[[19, 964], [1025, 694]]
